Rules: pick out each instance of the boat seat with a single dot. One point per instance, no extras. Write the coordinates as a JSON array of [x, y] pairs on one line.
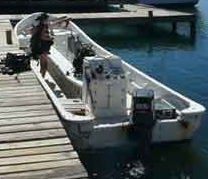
[[75, 106], [134, 86]]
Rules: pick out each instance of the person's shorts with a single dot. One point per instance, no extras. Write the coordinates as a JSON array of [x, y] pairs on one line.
[[45, 46]]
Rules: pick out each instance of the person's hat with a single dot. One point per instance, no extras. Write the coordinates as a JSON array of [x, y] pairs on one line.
[[42, 17]]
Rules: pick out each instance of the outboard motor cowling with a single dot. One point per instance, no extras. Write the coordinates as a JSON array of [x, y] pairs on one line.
[[143, 108]]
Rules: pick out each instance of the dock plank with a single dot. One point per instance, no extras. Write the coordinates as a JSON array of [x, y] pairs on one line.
[[34, 143], [70, 163], [13, 77], [14, 85], [14, 81], [25, 114], [26, 108], [23, 102], [60, 172], [36, 151], [32, 135], [38, 158], [31, 127], [20, 88], [23, 75], [20, 95], [24, 98], [28, 120]]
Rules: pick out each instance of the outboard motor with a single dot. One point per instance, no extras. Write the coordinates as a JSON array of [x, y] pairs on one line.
[[143, 108], [83, 51], [143, 119]]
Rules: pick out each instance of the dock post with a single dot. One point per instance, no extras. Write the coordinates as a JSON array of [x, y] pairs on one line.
[[150, 25], [150, 14], [174, 27], [106, 4], [121, 5], [193, 29], [9, 37]]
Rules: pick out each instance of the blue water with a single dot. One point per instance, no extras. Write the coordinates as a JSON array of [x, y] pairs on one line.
[[182, 64]]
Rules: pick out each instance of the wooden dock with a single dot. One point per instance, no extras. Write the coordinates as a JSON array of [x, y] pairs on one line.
[[33, 142], [139, 15], [132, 14], [129, 14], [136, 17]]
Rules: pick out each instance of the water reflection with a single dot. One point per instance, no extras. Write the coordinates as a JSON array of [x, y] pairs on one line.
[[170, 161], [139, 36]]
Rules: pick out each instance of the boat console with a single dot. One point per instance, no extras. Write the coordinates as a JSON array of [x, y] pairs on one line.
[[104, 86]]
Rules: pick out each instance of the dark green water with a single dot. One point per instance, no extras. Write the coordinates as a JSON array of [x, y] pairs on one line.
[[178, 62]]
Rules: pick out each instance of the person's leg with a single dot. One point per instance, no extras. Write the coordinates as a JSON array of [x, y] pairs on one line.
[[43, 64]]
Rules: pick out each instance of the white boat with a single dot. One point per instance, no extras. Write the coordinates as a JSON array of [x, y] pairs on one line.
[[112, 100], [168, 2]]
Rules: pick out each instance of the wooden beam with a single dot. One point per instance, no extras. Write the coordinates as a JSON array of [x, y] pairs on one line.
[[9, 37], [174, 27], [193, 29]]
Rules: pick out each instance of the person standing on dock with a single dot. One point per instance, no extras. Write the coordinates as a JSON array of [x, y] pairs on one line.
[[41, 42]]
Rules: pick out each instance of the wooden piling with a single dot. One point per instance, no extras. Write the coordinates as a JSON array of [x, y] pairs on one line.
[[121, 5], [150, 24], [9, 37], [174, 27], [150, 14], [193, 29]]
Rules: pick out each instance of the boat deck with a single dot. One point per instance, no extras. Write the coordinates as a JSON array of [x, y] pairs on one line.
[[75, 106], [33, 142]]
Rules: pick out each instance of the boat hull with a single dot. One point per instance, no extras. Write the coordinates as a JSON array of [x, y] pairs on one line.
[[125, 135]]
